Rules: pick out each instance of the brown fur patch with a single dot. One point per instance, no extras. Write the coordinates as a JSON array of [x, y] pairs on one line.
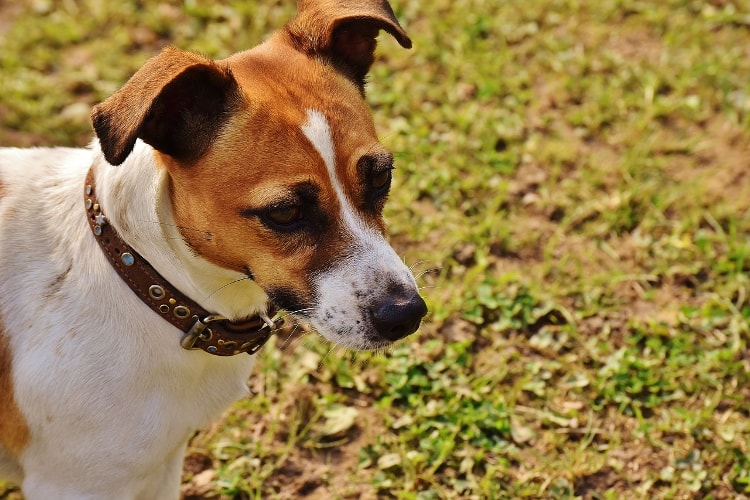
[[14, 433]]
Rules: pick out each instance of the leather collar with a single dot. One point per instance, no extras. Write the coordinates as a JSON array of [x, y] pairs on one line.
[[201, 329]]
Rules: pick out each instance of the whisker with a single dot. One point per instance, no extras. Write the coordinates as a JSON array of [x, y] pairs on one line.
[[417, 263], [427, 271], [208, 234], [244, 278], [322, 361], [286, 342], [299, 311], [205, 235], [285, 314]]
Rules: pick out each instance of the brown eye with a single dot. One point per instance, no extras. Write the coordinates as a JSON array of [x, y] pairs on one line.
[[379, 180], [285, 216]]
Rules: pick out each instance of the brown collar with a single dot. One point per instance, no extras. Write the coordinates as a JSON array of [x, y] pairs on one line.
[[202, 330]]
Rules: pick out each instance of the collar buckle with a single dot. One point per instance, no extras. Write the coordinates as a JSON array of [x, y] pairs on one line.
[[199, 330]]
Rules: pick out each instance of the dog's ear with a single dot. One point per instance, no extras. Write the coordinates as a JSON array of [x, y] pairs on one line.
[[176, 102], [344, 31]]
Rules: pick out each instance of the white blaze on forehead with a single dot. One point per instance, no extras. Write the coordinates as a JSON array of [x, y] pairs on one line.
[[318, 132]]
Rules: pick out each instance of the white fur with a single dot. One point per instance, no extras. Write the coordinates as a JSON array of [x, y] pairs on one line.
[[109, 397], [370, 268]]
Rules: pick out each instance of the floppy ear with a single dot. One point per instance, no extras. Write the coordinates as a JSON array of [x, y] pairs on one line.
[[344, 31], [176, 102]]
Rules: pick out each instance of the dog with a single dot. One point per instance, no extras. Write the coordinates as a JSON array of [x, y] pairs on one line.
[[138, 276]]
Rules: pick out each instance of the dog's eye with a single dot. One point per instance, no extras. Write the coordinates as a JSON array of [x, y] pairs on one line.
[[285, 216], [376, 171], [380, 180]]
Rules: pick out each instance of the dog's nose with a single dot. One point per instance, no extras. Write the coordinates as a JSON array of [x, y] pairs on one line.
[[398, 315]]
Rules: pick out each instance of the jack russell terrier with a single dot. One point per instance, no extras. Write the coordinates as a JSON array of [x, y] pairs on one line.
[[136, 275]]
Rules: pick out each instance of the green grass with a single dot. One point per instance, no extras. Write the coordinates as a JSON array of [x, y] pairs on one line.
[[573, 184]]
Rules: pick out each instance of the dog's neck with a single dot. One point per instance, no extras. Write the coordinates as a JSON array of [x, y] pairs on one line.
[[135, 196]]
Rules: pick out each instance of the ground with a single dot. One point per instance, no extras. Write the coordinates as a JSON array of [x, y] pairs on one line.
[[573, 191]]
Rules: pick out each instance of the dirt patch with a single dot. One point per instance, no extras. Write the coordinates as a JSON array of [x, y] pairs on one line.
[[719, 161], [314, 475], [8, 12], [602, 480], [635, 44]]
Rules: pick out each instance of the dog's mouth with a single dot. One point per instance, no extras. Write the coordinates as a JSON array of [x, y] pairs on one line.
[[290, 301], [372, 322]]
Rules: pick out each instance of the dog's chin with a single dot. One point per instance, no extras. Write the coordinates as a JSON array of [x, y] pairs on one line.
[[358, 343], [359, 340]]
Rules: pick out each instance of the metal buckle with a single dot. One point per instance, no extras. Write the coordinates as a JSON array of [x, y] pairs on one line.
[[199, 330], [272, 324]]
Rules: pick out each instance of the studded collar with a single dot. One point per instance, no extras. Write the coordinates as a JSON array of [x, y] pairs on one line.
[[201, 329]]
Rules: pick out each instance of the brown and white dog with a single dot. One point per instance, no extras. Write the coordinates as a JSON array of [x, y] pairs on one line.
[[244, 182]]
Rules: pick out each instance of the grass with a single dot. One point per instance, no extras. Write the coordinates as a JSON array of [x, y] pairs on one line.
[[573, 189]]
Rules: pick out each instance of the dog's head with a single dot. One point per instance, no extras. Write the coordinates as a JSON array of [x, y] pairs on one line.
[[274, 150]]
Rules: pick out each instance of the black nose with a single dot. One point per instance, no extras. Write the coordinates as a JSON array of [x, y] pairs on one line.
[[398, 315]]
